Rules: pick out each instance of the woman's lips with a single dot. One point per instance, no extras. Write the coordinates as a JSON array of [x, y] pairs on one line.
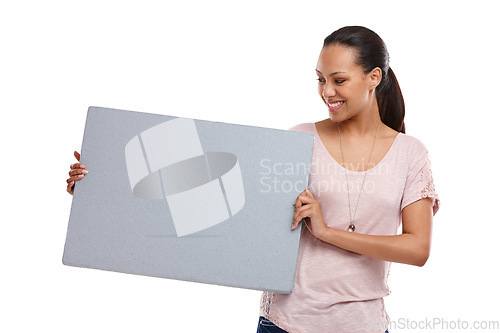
[[335, 106]]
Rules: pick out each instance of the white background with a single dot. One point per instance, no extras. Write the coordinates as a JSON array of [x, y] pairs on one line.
[[247, 63]]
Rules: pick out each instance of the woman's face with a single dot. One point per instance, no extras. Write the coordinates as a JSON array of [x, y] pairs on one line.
[[343, 85]]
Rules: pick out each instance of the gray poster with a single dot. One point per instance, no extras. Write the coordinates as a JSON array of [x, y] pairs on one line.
[[188, 199]]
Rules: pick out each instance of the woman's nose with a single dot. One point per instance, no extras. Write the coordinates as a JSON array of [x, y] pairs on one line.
[[328, 91]]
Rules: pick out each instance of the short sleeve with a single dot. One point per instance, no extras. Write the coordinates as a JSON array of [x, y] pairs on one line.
[[420, 184]]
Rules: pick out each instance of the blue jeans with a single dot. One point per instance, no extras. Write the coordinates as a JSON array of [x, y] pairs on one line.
[[267, 326]]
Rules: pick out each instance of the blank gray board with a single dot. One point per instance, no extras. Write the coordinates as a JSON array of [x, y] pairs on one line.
[[188, 199]]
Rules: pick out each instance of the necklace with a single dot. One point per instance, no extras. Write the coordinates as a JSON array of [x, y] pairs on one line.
[[352, 227]]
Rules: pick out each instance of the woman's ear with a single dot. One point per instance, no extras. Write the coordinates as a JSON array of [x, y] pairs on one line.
[[375, 76]]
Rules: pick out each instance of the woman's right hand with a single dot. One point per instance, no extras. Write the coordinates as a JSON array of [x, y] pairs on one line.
[[76, 173]]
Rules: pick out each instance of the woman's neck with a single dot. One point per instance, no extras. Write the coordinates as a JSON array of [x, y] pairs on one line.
[[361, 125], [359, 128]]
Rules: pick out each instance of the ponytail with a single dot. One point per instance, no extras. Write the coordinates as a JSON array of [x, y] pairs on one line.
[[391, 104], [372, 53]]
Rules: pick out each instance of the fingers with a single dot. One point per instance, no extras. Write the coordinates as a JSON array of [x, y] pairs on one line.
[[299, 210], [299, 214], [308, 193], [77, 166], [302, 206], [302, 199], [70, 188], [77, 172], [74, 178], [75, 175]]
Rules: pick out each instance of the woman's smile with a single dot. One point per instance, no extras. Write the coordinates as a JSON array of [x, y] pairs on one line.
[[335, 106]]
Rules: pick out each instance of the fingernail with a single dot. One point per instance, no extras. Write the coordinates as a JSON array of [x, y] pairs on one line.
[[85, 172], [82, 166], [80, 176]]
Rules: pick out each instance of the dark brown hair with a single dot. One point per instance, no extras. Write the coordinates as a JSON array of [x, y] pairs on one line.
[[372, 53]]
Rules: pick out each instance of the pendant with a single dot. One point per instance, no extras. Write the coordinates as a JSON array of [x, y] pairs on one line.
[[351, 228]]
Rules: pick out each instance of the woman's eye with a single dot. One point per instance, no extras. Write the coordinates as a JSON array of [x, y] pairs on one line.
[[338, 81]]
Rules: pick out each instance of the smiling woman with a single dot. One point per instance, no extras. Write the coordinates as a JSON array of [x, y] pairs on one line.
[[344, 257], [358, 62]]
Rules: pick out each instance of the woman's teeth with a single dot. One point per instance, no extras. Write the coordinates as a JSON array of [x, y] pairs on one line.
[[335, 104]]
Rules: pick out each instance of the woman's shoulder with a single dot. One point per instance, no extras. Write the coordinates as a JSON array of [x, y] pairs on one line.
[[410, 139], [412, 144], [303, 127]]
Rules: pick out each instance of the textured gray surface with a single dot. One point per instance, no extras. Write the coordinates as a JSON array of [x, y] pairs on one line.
[[112, 229]]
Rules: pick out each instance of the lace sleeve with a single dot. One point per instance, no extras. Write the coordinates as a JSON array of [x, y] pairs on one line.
[[420, 184]]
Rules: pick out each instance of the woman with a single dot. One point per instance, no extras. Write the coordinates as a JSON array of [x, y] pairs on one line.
[[350, 239], [366, 178]]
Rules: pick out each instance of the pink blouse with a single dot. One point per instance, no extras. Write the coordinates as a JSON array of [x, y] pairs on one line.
[[336, 290]]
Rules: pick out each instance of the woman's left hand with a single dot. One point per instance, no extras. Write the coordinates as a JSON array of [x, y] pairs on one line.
[[308, 208]]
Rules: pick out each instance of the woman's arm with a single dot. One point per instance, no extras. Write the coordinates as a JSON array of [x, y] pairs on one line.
[[411, 247]]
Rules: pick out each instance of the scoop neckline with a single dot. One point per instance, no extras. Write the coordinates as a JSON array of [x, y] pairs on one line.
[[352, 171]]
